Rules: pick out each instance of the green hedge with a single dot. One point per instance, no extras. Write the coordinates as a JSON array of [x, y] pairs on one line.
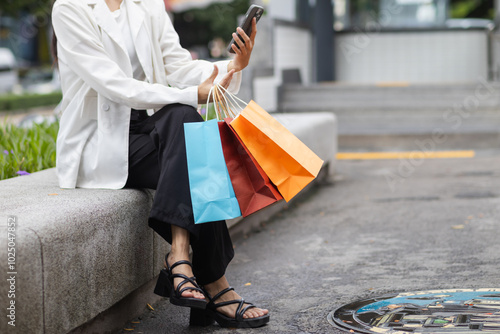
[[27, 150], [19, 102]]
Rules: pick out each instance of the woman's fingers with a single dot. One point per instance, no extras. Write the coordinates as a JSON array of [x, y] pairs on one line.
[[204, 87], [239, 46], [226, 80], [214, 74], [254, 30], [244, 42], [243, 47]]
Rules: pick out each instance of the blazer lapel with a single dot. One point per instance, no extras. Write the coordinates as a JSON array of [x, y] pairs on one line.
[[107, 22], [141, 36]]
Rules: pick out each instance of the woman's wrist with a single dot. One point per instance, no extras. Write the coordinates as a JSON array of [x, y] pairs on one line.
[[231, 66]]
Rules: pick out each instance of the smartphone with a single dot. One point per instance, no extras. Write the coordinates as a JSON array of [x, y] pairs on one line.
[[253, 11]]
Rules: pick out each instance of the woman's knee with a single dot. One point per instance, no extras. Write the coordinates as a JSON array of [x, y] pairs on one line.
[[183, 113]]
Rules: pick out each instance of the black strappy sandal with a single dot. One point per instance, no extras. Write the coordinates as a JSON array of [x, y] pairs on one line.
[[165, 287], [208, 316]]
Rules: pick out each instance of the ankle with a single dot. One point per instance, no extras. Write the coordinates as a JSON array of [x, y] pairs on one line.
[[217, 286], [180, 242], [177, 255]]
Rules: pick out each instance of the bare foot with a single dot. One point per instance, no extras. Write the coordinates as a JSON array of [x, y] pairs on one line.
[[186, 270], [230, 310]]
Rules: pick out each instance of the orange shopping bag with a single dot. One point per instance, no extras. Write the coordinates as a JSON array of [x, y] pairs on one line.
[[288, 162]]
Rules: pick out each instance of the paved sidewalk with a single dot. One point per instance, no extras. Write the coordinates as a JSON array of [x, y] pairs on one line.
[[356, 238]]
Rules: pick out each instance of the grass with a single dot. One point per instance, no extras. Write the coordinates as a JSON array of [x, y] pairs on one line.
[[27, 150], [10, 102]]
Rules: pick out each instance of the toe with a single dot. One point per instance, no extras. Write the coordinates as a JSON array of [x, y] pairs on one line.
[[259, 312], [187, 294], [192, 294], [250, 314], [200, 295]]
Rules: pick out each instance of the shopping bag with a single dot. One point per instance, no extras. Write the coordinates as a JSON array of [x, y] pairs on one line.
[[212, 193], [252, 187], [288, 162]]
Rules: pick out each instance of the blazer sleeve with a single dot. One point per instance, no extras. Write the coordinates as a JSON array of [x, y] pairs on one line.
[[79, 45], [181, 70]]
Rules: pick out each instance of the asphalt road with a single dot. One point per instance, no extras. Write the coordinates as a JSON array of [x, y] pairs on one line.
[[381, 226]]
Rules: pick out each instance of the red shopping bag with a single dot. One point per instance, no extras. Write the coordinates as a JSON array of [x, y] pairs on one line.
[[253, 189]]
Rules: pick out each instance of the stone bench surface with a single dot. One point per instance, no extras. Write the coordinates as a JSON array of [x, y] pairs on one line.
[[80, 251]]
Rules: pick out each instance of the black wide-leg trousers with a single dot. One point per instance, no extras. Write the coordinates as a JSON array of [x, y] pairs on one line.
[[157, 160]]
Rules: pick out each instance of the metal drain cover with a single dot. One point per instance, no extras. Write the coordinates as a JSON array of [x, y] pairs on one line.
[[431, 311]]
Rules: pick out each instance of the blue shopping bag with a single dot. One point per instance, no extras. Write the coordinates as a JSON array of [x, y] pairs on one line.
[[212, 193]]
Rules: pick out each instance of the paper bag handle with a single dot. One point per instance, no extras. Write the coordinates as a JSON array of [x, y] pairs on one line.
[[224, 107]]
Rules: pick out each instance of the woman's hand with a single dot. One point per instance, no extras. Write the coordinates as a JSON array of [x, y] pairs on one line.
[[205, 86], [243, 54]]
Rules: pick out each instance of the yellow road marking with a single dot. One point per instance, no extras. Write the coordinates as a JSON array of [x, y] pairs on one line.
[[405, 155]]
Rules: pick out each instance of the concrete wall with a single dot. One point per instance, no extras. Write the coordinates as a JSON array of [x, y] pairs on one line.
[[411, 56], [291, 48], [282, 9], [414, 57]]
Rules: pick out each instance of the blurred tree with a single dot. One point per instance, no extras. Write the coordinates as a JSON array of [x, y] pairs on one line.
[[15, 7], [484, 9], [200, 26]]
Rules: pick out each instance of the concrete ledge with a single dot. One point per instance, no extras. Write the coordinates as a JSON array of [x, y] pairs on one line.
[[80, 252], [77, 251]]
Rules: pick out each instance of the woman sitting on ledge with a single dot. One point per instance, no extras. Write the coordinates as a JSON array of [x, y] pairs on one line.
[[118, 58]]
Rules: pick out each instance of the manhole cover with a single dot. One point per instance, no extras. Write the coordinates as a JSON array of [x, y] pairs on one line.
[[432, 311]]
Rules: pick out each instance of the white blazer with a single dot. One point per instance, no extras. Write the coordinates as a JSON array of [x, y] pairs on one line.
[[99, 91]]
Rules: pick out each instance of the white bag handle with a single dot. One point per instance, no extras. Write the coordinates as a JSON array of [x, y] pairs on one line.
[[208, 101], [223, 103], [234, 100], [224, 107]]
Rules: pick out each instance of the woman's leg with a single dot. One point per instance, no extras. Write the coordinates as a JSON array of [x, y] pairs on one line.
[[179, 252], [157, 160]]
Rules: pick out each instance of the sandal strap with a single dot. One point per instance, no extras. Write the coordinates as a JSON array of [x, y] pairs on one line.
[[217, 296], [179, 292], [179, 289], [230, 302], [186, 279], [241, 310], [178, 263]]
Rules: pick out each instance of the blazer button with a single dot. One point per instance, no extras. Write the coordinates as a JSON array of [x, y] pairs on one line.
[[105, 107]]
